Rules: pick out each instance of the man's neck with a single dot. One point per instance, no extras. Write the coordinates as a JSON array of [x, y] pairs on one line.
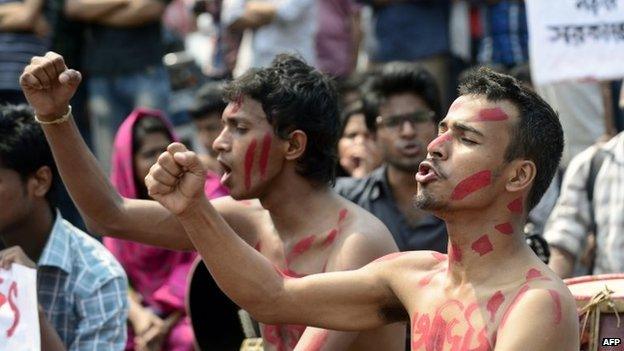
[[295, 202], [483, 242], [32, 233]]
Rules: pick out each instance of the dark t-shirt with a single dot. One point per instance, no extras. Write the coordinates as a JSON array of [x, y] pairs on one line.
[[373, 194]]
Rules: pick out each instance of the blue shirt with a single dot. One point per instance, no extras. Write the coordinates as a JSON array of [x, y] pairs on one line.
[[506, 38], [83, 290]]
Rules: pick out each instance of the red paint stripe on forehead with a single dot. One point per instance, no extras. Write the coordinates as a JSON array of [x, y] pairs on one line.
[[515, 206], [557, 305], [505, 228], [441, 139], [483, 245], [264, 154], [249, 160], [471, 184], [494, 304], [491, 115]]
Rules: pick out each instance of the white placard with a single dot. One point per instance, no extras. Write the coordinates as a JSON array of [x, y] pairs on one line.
[[575, 39], [19, 319]]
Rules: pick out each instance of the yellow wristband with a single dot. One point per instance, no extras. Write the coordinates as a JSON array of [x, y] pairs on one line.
[[63, 118]]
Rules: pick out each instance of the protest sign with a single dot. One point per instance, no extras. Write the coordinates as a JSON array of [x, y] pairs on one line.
[[19, 319], [575, 39]]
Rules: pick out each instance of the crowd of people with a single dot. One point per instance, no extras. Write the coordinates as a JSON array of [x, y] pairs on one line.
[[403, 142]]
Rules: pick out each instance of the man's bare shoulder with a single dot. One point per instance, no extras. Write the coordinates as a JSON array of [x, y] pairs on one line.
[[244, 216]]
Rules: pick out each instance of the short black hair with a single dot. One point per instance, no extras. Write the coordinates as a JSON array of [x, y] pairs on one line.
[[356, 108], [405, 77], [537, 136], [295, 96], [23, 147], [148, 125], [208, 99]]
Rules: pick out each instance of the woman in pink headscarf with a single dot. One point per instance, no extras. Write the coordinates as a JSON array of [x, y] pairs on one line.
[[157, 318]]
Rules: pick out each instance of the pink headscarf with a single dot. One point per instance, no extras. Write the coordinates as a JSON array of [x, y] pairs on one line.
[[158, 275]]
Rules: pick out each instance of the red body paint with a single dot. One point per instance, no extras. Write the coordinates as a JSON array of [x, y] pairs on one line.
[[455, 253], [249, 160], [533, 274], [264, 154], [515, 206], [342, 215], [424, 281], [300, 247], [483, 245], [440, 140], [491, 115], [391, 256], [440, 257], [13, 306], [275, 335], [471, 184], [557, 305], [494, 304], [513, 304], [331, 237], [505, 228]]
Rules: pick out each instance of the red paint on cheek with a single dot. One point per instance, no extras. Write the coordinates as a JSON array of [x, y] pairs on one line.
[[483, 245], [513, 304], [455, 253], [491, 115], [557, 305], [389, 257], [471, 184], [440, 140], [331, 237], [494, 304], [249, 159], [515, 206], [440, 257], [505, 228], [264, 154]]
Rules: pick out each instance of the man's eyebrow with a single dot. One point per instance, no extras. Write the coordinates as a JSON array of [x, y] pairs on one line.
[[466, 128]]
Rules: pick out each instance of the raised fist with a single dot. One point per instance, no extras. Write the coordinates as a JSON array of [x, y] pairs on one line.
[[177, 179], [49, 85]]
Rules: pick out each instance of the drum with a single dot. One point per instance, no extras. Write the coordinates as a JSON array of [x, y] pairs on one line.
[[600, 302], [213, 315]]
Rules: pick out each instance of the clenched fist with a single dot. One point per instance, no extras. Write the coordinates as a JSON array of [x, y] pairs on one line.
[[49, 85], [177, 179]]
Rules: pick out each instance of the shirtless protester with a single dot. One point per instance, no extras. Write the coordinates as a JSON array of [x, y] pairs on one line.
[[277, 145], [495, 154]]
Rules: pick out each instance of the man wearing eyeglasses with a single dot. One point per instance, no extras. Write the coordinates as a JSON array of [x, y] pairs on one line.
[[408, 105]]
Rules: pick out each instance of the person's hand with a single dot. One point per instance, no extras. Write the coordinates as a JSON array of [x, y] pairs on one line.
[[15, 254], [177, 179], [154, 331], [49, 85]]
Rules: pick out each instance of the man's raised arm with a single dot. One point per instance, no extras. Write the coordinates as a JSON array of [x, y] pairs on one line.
[[48, 86], [350, 300]]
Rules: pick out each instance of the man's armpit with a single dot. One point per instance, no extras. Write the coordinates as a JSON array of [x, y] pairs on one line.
[[392, 313]]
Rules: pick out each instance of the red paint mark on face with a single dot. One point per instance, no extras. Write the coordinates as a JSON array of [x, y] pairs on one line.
[[515, 206], [513, 304], [441, 139], [264, 153], [331, 237], [505, 228], [318, 340], [249, 160], [440, 257], [14, 308], [557, 305], [491, 115], [300, 247], [455, 253], [258, 246], [389, 257], [471, 184], [494, 304], [483, 245], [238, 103]]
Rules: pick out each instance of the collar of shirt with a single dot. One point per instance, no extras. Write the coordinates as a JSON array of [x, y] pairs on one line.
[[56, 253]]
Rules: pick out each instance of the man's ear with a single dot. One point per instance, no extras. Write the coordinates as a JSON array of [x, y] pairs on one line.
[[39, 183], [521, 175], [296, 144]]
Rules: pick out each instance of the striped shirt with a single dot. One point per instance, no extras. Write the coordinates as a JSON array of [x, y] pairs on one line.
[[506, 35], [569, 223], [83, 290]]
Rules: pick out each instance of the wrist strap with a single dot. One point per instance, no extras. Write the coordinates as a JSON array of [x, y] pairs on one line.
[[63, 118]]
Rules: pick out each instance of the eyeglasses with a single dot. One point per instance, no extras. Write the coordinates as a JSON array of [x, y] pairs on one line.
[[395, 122]]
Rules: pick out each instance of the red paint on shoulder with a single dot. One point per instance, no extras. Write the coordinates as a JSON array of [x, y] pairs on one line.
[[342, 215], [249, 160], [513, 304], [515, 206], [491, 115], [264, 153], [505, 228], [557, 305], [483, 245], [389, 257], [440, 257], [455, 253], [533, 274], [331, 237], [471, 184], [300, 247], [494, 304], [440, 140]]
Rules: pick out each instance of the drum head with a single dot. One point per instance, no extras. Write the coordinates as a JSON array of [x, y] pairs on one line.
[[214, 316], [583, 288]]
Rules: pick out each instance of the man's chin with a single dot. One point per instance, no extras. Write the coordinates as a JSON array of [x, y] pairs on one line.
[[426, 202]]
